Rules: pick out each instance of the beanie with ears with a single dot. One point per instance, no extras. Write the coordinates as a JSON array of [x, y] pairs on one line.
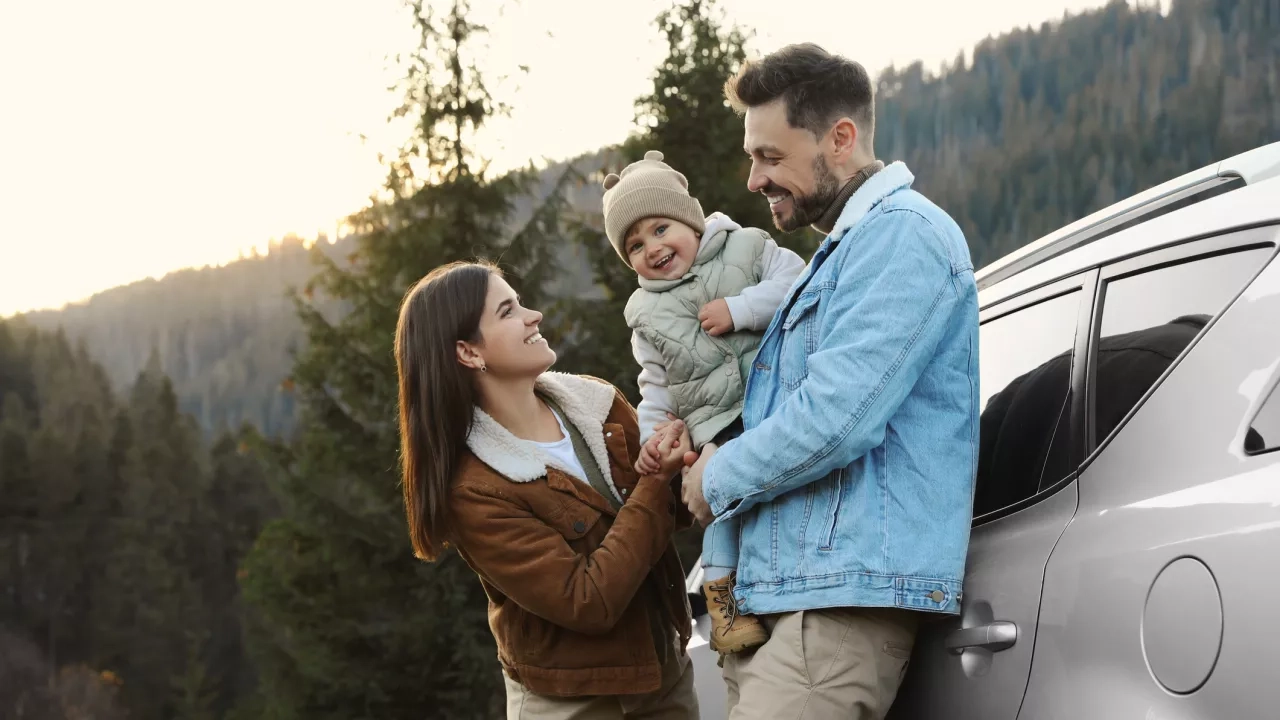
[[647, 188]]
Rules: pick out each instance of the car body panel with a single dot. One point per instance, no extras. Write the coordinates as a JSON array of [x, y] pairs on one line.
[[1174, 483]]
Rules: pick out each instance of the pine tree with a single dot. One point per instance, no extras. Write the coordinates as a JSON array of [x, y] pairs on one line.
[[348, 623], [195, 689], [19, 502], [101, 533], [50, 468], [239, 503], [687, 118], [15, 368], [151, 596]]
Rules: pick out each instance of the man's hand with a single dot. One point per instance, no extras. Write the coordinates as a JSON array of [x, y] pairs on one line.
[[691, 488], [715, 317]]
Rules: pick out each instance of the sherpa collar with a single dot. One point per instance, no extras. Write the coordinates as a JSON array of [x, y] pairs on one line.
[[586, 403], [892, 178]]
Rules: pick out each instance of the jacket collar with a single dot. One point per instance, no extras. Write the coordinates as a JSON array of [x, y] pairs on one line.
[[586, 404], [892, 178]]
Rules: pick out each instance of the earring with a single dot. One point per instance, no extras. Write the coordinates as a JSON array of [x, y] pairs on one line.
[[484, 368]]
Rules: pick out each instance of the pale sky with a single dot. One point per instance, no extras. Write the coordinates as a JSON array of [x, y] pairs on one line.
[[142, 136]]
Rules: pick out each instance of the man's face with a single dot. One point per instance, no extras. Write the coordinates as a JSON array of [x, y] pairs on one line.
[[789, 166]]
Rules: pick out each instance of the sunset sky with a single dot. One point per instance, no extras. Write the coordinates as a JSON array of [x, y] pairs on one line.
[[143, 136]]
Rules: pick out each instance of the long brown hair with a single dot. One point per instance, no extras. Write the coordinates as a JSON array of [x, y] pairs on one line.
[[437, 397]]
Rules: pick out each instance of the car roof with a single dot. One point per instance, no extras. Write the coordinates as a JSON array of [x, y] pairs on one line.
[[1094, 240]]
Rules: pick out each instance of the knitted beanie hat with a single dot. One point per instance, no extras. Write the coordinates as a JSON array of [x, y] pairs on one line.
[[645, 189]]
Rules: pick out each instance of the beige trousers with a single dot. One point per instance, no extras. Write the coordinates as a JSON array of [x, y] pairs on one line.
[[823, 664], [675, 700]]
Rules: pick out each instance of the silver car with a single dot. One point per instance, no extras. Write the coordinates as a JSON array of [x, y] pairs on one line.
[[1125, 554]]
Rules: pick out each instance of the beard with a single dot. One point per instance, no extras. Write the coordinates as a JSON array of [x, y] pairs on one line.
[[808, 208]]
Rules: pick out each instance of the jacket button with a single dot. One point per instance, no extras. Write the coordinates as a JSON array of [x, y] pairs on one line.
[[624, 491], [579, 527], [936, 596]]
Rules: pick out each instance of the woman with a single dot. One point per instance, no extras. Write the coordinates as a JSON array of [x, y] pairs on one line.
[[529, 474]]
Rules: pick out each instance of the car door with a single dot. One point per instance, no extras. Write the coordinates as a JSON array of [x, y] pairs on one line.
[[1160, 597], [976, 666]]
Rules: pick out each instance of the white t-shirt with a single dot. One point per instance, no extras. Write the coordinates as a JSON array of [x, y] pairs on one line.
[[562, 451]]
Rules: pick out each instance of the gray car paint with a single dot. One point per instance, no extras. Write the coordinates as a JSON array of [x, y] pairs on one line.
[[1174, 482]]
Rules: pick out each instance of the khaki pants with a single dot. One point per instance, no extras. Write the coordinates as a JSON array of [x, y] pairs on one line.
[[823, 664], [675, 700]]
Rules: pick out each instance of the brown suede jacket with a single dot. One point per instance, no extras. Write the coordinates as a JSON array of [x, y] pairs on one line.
[[564, 574]]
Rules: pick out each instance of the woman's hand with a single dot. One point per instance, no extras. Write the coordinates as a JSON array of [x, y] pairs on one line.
[[671, 448], [663, 453], [649, 461]]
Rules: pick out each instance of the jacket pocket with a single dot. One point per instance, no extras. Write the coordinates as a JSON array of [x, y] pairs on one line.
[[799, 340], [575, 521], [833, 510], [529, 638], [615, 442]]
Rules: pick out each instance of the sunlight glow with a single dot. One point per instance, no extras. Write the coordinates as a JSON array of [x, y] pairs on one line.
[[142, 136]]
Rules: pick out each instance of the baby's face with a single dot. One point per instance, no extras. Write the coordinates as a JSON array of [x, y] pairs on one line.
[[661, 248]]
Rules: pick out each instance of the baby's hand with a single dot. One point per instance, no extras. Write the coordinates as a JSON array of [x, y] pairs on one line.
[[663, 453], [647, 463], [715, 317], [671, 448]]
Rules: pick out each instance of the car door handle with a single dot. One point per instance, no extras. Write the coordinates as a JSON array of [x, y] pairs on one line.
[[995, 637]]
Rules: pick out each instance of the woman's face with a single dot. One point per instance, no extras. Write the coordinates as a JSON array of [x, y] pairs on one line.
[[510, 344]]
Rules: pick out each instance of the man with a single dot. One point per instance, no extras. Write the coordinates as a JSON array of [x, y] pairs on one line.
[[854, 476]]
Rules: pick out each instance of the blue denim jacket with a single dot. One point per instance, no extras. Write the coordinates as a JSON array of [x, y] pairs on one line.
[[854, 476]]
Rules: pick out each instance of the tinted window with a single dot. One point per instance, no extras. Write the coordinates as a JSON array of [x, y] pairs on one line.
[[1150, 318], [1264, 433], [1026, 437]]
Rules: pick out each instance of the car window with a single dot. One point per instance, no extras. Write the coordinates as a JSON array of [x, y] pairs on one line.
[[1148, 319], [1025, 438], [1264, 431]]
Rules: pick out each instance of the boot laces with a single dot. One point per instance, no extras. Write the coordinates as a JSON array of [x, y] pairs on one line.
[[728, 604]]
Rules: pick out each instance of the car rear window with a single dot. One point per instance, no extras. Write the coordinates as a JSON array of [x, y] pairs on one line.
[[1149, 318]]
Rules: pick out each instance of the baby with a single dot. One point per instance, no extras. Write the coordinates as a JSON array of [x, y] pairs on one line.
[[708, 290]]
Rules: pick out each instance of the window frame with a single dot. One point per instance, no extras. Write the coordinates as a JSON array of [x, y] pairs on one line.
[[1227, 243], [1270, 392], [1086, 283]]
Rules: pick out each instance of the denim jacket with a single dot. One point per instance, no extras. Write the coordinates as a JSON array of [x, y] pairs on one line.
[[854, 477]]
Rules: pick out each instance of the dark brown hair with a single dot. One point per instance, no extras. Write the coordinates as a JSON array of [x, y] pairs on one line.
[[818, 88], [437, 398]]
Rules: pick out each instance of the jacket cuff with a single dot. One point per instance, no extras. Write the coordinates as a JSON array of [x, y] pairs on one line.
[[740, 311], [657, 497], [711, 490]]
